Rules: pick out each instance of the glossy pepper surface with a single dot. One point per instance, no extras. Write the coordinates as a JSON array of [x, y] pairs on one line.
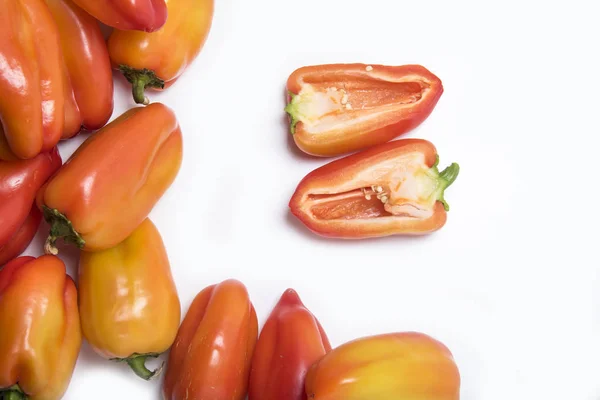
[[129, 306], [31, 80], [87, 69], [156, 60], [393, 366], [391, 189], [212, 355], [40, 336], [20, 181], [291, 340], [341, 108], [139, 15], [113, 180]]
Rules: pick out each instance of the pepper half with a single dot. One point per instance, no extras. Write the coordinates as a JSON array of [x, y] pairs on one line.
[[32, 80], [88, 73], [340, 108], [128, 301], [394, 366], [156, 60], [113, 180], [212, 355], [40, 337], [390, 189], [291, 340], [137, 15]]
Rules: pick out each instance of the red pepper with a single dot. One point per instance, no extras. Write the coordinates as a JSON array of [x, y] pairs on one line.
[[19, 183], [32, 80], [135, 15], [340, 108], [290, 342], [87, 68], [17, 244], [390, 189]]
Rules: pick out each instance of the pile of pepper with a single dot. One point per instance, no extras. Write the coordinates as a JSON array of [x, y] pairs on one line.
[[124, 301]]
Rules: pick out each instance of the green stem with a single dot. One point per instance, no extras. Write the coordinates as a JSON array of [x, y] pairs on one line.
[[141, 79], [137, 362], [446, 178], [12, 393], [60, 227]]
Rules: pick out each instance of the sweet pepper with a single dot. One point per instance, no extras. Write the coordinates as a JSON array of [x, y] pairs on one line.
[[87, 69], [40, 337], [291, 340], [342, 108], [156, 60], [19, 182], [139, 15], [129, 306], [113, 180], [394, 366], [394, 188], [32, 81], [212, 354]]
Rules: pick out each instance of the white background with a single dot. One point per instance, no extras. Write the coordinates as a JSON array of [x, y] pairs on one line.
[[510, 284]]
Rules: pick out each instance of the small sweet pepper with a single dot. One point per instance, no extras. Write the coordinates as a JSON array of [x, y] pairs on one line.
[[291, 340], [129, 306], [394, 366], [40, 336], [113, 180], [212, 355], [138, 15]]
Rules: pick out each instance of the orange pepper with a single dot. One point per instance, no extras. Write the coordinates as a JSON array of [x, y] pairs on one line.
[[290, 342], [407, 365], [31, 80], [40, 337], [143, 15], [157, 59], [211, 357], [113, 180], [129, 306], [87, 69]]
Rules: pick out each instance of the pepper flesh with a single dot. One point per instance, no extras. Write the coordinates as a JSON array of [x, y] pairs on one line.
[[88, 73], [113, 180], [19, 183], [212, 355], [31, 80], [291, 340], [340, 108], [130, 310], [407, 365], [391, 189], [40, 337], [137, 15], [156, 60]]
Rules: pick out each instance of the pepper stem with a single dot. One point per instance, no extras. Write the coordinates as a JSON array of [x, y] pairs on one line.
[[12, 393], [445, 179], [141, 79], [137, 362], [60, 227]]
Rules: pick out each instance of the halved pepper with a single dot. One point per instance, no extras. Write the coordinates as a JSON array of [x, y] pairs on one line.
[[291, 340], [394, 366], [138, 15], [130, 310], [20, 181], [390, 189], [341, 108], [113, 180], [32, 80], [212, 355], [40, 337], [88, 72], [156, 60]]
